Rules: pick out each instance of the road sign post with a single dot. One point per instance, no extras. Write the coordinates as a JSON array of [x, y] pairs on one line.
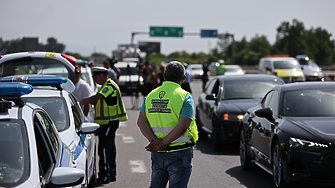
[[166, 31]]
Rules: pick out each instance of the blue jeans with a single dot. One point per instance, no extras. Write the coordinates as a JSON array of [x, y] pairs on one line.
[[175, 167]]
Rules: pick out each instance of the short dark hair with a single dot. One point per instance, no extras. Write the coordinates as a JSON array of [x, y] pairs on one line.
[[174, 71]]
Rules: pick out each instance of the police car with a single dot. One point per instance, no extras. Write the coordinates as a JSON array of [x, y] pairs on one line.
[[54, 95], [42, 63], [31, 152]]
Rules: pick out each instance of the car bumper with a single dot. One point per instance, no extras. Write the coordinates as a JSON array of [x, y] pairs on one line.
[[311, 168], [229, 131]]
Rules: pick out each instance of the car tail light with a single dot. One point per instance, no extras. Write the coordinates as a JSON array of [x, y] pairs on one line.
[[275, 73], [1, 56], [70, 58]]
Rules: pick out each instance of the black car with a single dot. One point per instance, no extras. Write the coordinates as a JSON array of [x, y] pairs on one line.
[[291, 134], [226, 99]]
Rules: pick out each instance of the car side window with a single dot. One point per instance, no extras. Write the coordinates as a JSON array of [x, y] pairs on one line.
[[273, 103], [266, 99], [44, 121], [267, 66], [45, 149], [210, 86], [77, 113]]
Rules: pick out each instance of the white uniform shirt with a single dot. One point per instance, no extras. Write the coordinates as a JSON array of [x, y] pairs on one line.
[[82, 91]]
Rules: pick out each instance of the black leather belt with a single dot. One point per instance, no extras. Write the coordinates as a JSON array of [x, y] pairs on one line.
[[169, 148]]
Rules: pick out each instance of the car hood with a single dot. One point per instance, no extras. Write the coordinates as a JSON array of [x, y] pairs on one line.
[[317, 127], [237, 105]]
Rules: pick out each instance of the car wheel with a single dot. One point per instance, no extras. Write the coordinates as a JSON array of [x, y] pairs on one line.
[[202, 134], [217, 143], [277, 169], [244, 159]]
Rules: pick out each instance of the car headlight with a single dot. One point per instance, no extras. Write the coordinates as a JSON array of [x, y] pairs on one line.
[[233, 117], [306, 145]]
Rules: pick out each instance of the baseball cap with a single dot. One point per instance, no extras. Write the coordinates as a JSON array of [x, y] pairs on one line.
[[99, 70]]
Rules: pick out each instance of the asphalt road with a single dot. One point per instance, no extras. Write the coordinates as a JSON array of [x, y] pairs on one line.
[[210, 168]]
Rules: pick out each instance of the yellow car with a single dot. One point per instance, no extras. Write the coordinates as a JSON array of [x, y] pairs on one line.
[[284, 67]]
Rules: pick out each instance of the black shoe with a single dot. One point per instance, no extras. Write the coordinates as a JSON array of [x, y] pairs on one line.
[[101, 181]]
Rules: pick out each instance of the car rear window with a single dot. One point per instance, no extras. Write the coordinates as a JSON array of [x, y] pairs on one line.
[[55, 107], [289, 64]]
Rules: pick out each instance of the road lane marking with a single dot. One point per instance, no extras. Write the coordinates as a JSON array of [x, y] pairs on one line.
[[137, 166], [128, 139]]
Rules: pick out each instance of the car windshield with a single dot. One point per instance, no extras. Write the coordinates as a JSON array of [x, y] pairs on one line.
[[55, 107], [14, 154], [316, 102], [242, 89], [130, 71], [196, 68], [42, 66], [233, 69], [288, 64]]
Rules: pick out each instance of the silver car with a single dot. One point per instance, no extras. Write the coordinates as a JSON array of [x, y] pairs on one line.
[[310, 69]]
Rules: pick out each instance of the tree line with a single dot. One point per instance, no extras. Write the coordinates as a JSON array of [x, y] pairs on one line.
[[291, 39]]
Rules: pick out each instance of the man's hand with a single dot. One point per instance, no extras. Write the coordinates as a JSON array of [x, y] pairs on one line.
[[156, 145]]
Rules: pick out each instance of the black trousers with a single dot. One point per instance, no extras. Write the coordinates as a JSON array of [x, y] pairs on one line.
[[107, 150]]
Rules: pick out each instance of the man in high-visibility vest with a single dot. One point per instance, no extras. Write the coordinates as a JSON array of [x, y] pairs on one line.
[[166, 120], [109, 111], [221, 68]]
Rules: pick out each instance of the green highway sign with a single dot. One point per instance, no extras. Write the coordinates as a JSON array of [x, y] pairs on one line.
[[166, 31]]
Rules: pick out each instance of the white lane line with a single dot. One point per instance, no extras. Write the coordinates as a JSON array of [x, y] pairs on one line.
[[137, 166], [122, 124], [128, 139]]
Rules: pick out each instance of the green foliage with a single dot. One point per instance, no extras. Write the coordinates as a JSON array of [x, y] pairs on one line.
[[78, 56], [52, 45], [99, 55]]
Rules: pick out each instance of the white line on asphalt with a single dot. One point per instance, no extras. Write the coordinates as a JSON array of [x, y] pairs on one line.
[[128, 139], [137, 166], [122, 124]]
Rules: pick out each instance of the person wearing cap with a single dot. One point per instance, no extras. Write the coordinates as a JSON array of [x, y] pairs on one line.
[[166, 119], [186, 84], [221, 68], [109, 111], [82, 91]]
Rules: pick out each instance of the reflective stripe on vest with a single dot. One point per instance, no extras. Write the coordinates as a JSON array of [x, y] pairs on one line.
[[105, 113], [167, 101]]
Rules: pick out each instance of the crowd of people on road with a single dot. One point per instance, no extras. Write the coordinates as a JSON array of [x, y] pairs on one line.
[[166, 118]]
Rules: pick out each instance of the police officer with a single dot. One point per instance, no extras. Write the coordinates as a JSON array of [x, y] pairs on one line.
[[109, 111], [221, 68], [166, 120]]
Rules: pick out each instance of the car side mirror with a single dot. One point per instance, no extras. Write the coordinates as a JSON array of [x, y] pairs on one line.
[[265, 113], [211, 97], [89, 128]]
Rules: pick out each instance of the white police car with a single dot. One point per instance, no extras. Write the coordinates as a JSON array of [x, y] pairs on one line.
[[31, 152], [42, 63], [68, 117]]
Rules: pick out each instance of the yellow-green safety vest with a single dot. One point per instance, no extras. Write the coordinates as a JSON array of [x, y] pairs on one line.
[[111, 107], [167, 101]]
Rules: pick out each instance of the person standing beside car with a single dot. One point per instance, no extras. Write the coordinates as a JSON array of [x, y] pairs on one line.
[[109, 111], [186, 84], [166, 120], [204, 75], [221, 68], [82, 91]]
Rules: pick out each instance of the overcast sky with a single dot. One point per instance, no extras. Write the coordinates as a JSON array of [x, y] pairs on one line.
[[87, 26]]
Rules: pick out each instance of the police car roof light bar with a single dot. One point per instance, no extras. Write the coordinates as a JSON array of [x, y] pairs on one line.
[[81, 63], [37, 81], [14, 89]]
